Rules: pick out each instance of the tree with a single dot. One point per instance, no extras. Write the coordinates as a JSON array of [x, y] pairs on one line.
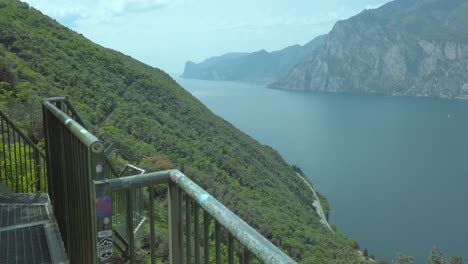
[[403, 259], [436, 257], [456, 260]]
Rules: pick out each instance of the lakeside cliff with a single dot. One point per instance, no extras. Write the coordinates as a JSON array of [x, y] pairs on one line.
[[260, 66], [406, 47]]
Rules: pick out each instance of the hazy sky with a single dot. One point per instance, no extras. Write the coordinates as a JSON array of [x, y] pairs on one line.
[[167, 33]]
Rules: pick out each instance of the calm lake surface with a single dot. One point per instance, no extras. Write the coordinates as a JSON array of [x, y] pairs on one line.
[[395, 169]]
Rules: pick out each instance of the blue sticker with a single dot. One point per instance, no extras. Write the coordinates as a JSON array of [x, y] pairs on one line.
[[104, 206], [203, 198]]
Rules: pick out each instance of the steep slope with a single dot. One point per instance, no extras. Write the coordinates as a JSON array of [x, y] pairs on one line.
[[406, 47], [260, 66], [147, 111]]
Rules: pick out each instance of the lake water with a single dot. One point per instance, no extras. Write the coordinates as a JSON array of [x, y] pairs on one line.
[[395, 169]]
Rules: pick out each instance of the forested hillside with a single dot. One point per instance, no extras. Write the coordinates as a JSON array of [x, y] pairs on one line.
[[148, 112]]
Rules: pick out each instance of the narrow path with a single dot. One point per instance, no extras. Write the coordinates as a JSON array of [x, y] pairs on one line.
[[316, 204]]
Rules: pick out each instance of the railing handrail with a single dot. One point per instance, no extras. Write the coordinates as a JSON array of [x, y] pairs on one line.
[[101, 187], [23, 136], [70, 107], [77, 130], [262, 248], [29, 171]]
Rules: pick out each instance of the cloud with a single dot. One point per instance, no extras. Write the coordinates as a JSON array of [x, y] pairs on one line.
[[95, 11], [368, 7]]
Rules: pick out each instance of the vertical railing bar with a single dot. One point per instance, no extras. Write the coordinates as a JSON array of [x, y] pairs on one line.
[[217, 242], [188, 231], [180, 224], [83, 165], [20, 164], [131, 237], [4, 154], [16, 162], [196, 220], [206, 236], [230, 246], [38, 171], [32, 173], [27, 171], [246, 256], [152, 235], [9, 157], [174, 242]]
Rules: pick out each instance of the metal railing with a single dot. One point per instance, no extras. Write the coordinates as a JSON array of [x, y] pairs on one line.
[[189, 242], [64, 105], [120, 213], [22, 163], [74, 159], [201, 229]]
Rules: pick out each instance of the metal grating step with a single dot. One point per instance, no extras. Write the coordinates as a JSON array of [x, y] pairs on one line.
[[24, 245], [28, 231], [24, 198], [20, 214]]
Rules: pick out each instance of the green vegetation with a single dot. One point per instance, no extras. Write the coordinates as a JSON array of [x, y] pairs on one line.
[[149, 113], [435, 257]]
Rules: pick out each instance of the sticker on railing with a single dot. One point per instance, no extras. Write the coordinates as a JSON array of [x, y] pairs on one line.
[[105, 248], [104, 206], [105, 233], [99, 168], [203, 198]]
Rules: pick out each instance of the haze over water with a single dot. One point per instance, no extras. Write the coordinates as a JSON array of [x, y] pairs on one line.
[[395, 169]]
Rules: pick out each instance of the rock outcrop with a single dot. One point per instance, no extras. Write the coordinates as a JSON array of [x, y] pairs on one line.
[[406, 47], [260, 66]]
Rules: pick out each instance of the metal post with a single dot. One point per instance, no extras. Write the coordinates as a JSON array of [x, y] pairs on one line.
[[188, 230], [131, 237], [196, 220], [174, 243], [151, 212], [206, 236], [37, 170], [218, 242], [230, 246]]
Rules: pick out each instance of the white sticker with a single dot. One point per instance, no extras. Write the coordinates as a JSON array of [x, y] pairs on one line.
[[105, 248], [105, 233]]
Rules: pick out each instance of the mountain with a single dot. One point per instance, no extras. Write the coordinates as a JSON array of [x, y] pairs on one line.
[[145, 110], [260, 66], [405, 47]]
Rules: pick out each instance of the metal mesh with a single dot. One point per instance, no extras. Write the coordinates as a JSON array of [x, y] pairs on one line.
[[23, 208], [24, 245], [22, 214], [24, 198]]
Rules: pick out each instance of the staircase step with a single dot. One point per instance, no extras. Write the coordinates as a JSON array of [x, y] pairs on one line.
[[28, 230]]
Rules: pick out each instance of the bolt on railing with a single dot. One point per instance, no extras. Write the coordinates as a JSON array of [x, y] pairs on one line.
[[22, 163]]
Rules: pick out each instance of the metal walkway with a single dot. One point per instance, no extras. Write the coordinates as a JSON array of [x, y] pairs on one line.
[[28, 231]]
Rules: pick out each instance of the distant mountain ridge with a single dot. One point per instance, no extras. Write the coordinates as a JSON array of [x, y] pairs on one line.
[[405, 47], [259, 66]]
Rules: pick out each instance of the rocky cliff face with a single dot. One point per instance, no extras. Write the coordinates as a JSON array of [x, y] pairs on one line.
[[407, 47], [260, 66]]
